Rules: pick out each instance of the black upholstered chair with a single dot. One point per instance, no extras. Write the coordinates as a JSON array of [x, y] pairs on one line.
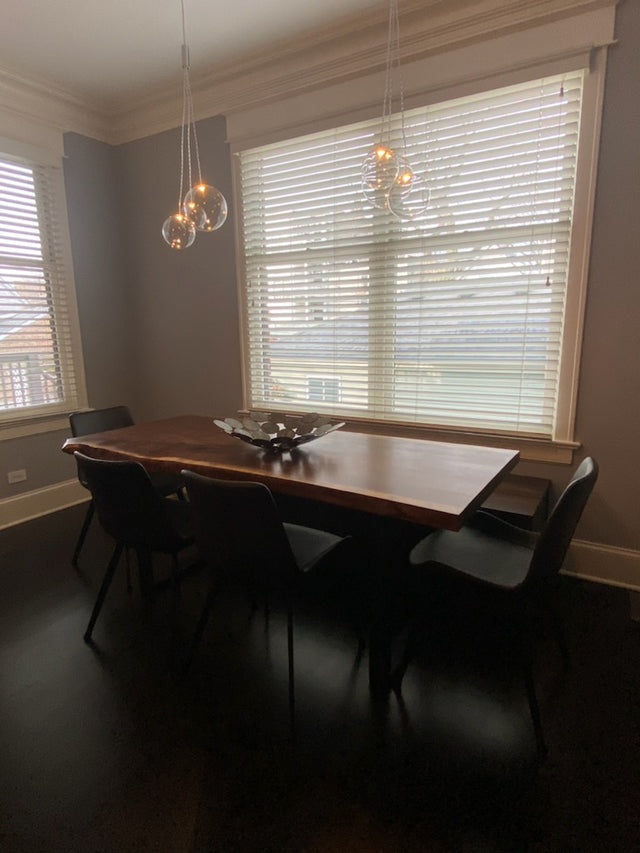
[[242, 539], [132, 511], [508, 572], [101, 420]]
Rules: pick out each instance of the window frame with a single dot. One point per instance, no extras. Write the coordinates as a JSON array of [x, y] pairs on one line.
[[560, 447], [16, 423]]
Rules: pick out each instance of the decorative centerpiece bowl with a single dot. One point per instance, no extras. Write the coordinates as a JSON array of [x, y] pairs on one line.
[[278, 433]]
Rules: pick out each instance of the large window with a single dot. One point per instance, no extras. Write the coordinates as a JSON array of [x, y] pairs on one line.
[[37, 376], [454, 319]]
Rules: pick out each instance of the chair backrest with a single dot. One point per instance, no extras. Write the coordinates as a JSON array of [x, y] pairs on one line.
[[554, 540], [239, 532], [129, 507], [100, 420]]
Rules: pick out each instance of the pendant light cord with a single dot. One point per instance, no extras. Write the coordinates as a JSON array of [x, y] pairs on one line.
[[388, 84], [201, 207], [393, 66], [188, 129]]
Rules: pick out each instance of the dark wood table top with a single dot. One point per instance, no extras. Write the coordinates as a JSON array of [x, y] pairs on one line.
[[427, 482]]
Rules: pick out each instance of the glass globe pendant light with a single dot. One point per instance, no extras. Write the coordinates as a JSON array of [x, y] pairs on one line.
[[178, 231], [202, 207], [379, 173], [206, 207], [388, 180]]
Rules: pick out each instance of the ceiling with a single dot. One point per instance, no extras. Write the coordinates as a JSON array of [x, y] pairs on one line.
[[114, 51]]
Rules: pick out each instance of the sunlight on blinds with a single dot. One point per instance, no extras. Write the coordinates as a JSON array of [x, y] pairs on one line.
[[35, 338], [454, 319]]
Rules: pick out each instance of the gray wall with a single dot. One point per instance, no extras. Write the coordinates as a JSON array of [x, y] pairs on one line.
[[95, 218], [182, 304], [178, 313], [609, 405], [159, 328], [98, 265], [608, 417]]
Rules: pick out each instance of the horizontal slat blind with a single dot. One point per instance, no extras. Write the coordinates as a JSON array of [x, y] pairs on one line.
[[451, 319], [36, 363]]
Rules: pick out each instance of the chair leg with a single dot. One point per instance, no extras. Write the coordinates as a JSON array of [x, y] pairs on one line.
[[559, 633], [534, 708], [292, 689], [406, 644], [104, 588], [380, 645], [522, 640], [128, 565], [202, 623], [145, 571], [175, 594], [83, 534]]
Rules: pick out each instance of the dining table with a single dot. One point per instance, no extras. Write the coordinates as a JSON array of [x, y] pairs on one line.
[[422, 482]]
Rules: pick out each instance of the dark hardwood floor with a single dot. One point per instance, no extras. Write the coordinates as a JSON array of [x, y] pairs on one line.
[[103, 749]]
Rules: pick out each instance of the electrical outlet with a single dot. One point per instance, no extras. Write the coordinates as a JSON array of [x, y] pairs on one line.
[[16, 476]]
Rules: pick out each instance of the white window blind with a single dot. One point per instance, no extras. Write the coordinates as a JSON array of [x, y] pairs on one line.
[[36, 352], [453, 319]]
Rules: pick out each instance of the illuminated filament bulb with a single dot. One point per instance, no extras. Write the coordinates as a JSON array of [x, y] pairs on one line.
[[384, 153]]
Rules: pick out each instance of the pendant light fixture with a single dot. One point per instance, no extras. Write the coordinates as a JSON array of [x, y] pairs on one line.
[[388, 180], [202, 207]]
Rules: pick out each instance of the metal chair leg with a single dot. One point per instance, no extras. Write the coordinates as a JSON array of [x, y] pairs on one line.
[[292, 689], [128, 566], [202, 624], [104, 588], [145, 574], [175, 593], [83, 533], [534, 710]]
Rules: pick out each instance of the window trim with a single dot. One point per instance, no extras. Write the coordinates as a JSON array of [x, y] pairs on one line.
[[560, 448], [530, 449], [581, 235], [35, 422]]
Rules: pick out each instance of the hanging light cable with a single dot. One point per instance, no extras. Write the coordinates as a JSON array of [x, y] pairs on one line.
[[388, 181], [202, 207]]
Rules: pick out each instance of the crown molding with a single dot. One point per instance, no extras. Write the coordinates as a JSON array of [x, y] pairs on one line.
[[325, 56], [46, 104], [336, 54]]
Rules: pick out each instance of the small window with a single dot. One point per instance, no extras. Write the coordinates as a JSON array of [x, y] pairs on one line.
[[37, 371], [323, 389]]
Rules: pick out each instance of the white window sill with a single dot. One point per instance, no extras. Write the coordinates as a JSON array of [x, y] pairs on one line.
[[531, 449], [33, 426]]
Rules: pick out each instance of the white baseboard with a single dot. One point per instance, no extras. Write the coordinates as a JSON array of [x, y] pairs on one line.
[[589, 560], [28, 505], [604, 564]]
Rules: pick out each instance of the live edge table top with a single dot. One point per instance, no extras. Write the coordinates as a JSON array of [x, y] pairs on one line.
[[431, 483]]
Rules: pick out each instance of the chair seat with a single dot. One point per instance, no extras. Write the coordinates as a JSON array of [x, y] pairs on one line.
[[136, 516], [310, 545], [477, 555], [240, 535], [512, 571], [102, 420]]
